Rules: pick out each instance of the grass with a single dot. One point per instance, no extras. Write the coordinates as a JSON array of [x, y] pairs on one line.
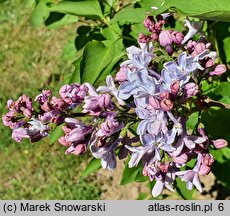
[[30, 61]]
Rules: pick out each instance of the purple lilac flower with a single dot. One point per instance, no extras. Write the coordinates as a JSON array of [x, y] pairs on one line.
[[180, 71], [139, 85], [105, 151], [193, 27]]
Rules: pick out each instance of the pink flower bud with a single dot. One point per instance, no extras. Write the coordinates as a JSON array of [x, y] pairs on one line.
[[220, 143], [165, 38], [209, 63], [154, 102], [199, 48], [163, 166], [175, 87], [46, 106], [191, 89], [191, 46], [207, 159], [104, 100], [166, 104], [180, 159], [154, 36], [164, 95], [58, 103], [79, 149], [142, 38], [27, 113], [10, 104], [206, 163], [204, 170], [121, 75], [177, 37], [149, 23], [158, 25], [219, 70], [83, 87], [63, 141]]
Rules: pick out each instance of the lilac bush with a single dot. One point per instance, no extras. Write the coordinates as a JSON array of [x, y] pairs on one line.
[[140, 114]]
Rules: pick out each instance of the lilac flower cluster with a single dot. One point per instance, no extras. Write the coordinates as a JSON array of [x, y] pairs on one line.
[[155, 92]]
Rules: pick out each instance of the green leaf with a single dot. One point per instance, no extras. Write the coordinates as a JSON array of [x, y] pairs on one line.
[[221, 32], [88, 8], [138, 28], [182, 190], [93, 166], [40, 14], [67, 19], [110, 2], [132, 174], [129, 15], [76, 75], [216, 122], [192, 121], [112, 32], [221, 93], [69, 51], [56, 134], [118, 55], [222, 162], [96, 57], [217, 10]]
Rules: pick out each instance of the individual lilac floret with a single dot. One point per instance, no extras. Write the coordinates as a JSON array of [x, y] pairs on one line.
[[121, 74], [191, 177], [163, 173], [149, 152], [105, 151], [43, 97], [188, 141], [96, 103], [180, 71], [77, 149], [139, 57], [193, 27]]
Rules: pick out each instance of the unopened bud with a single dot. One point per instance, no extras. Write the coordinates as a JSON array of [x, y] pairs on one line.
[[166, 104], [175, 87], [219, 70], [177, 37], [165, 38], [209, 63], [220, 143], [191, 89]]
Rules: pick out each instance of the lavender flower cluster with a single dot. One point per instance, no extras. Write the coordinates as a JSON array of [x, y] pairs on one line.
[[156, 88]]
